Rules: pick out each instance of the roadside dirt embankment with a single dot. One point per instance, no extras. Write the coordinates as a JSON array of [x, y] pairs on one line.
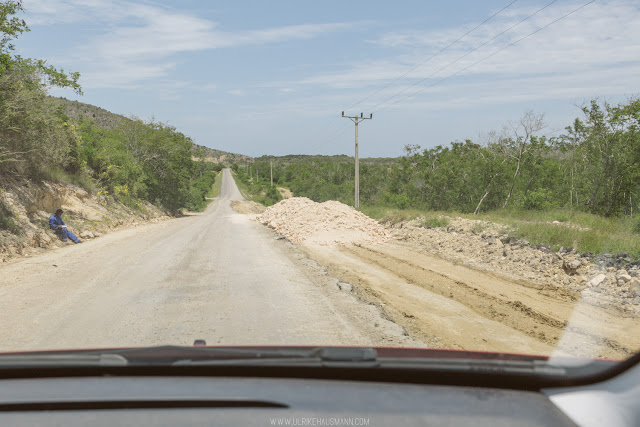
[[609, 281], [456, 288], [26, 207]]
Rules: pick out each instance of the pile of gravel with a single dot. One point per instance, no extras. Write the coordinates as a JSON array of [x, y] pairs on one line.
[[302, 220]]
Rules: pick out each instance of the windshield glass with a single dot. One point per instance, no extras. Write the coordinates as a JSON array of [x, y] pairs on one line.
[[453, 176]]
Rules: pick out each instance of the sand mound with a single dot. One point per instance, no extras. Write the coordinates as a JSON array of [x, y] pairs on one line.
[[302, 220]]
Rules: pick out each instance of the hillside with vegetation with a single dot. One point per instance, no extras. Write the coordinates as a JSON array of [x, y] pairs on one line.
[[48, 145], [218, 156], [78, 111]]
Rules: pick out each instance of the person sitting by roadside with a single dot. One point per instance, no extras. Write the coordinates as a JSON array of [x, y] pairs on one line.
[[56, 223]]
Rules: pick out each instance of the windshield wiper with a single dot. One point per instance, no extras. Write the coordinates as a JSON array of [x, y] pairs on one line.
[[367, 358], [335, 357], [31, 360], [321, 355], [184, 356]]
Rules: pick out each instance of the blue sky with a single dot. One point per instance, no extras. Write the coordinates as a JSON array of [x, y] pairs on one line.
[[271, 77]]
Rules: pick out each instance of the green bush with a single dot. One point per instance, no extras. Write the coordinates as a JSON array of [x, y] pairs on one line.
[[435, 221], [400, 201], [7, 221], [272, 196], [538, 199]]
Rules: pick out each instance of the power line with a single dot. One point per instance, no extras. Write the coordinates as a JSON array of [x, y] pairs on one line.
[[432, 56], [486, 57], [464, 56], [341, 130], [469, 66]]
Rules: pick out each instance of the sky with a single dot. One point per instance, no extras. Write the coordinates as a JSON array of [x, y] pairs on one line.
[[272, 77]]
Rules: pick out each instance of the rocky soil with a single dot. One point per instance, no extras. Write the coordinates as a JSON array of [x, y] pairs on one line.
[[302, 220], [28, 206], [604, 280]]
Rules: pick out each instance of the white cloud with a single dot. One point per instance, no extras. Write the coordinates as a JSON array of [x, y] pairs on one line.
[[140, 37], [577, 55]]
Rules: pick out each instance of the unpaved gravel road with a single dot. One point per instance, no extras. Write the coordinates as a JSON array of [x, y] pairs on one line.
[[216, 276]]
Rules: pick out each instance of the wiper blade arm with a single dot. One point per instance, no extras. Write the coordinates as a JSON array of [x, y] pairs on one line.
[[320, 355], [61, 360]]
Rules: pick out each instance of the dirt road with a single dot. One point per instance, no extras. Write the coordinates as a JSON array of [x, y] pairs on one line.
[[222, 277], [216, 276]]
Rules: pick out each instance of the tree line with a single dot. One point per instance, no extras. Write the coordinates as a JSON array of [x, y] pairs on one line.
[[594, 166]]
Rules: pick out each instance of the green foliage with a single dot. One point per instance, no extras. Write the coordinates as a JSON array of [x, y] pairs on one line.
[[594, 168], [271, 197], [400, 201], [435, 221], [537, 199], [211, 154], [145, 161], [34, 133], [7, 220], [583, 231], [255, 188], [11, 27], [200, 189], [127, 159]]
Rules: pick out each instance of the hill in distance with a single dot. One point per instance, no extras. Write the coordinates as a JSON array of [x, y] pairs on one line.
[[108, 120]]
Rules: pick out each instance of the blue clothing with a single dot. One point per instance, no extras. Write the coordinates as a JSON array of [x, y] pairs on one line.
[[54, 222]]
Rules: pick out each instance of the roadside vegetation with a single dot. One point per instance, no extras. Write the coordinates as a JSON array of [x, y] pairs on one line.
[[125, 159], [587, 180], [578, 189], [254, 187]]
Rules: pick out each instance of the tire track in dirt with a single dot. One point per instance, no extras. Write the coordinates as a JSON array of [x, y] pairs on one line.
[[513, 313], [439, 321]]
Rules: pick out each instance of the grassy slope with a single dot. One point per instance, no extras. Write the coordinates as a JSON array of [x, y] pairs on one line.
[[582, 231]]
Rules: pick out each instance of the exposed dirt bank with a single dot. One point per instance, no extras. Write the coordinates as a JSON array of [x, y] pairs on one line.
[[28, 205], [455, 288], [609, 281]]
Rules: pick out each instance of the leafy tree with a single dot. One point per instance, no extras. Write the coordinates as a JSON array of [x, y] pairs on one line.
[[34, 134]]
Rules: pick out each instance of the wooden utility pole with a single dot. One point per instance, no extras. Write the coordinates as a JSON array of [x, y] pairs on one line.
[[355, 120], [272, 173]]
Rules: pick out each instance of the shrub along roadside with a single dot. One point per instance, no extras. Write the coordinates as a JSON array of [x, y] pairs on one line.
[[203, 188], [7, 221]]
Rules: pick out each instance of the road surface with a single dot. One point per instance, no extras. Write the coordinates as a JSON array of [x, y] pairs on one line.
[[216, 276]]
